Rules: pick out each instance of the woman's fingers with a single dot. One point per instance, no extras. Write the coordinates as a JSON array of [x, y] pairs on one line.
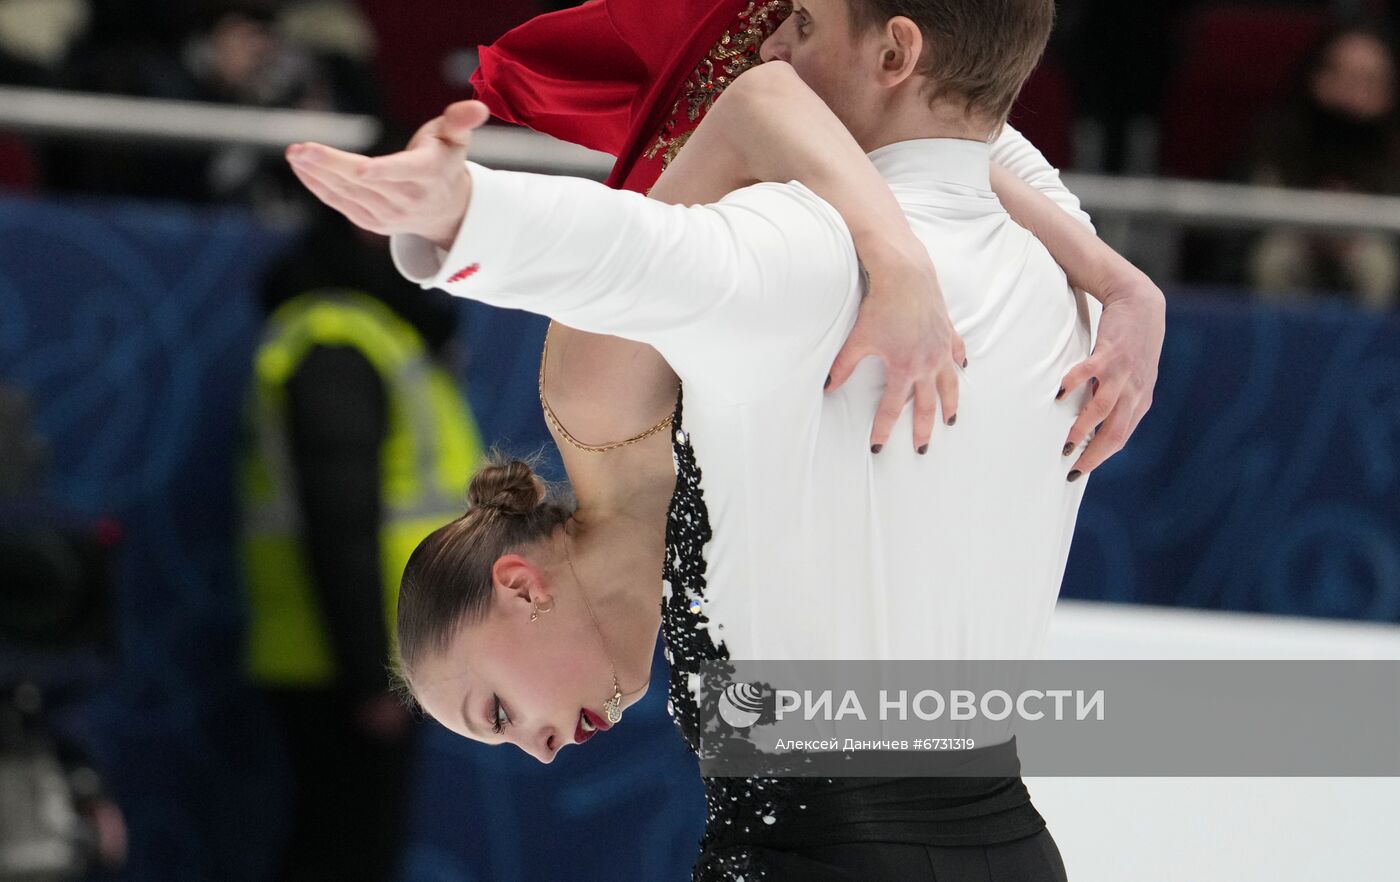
[[1078, 375], [1096, 411], [852, 351], [926, 397], [352, 210], [459, 120], [417, 165], [959, 351], [375, 203], [897, 390], [1111, 437], [327, 158]]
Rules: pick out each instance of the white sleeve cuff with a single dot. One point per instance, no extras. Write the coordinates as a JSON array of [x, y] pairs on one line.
[[481, 254], [417, 259]]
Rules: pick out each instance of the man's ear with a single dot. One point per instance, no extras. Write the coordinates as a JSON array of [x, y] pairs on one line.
[[901, 49], [517, 583]]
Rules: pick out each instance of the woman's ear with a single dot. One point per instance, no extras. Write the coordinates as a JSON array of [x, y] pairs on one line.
[[901, 49], [518, 583]]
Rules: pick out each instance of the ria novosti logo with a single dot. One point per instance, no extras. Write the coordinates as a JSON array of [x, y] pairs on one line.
[[741, 704]]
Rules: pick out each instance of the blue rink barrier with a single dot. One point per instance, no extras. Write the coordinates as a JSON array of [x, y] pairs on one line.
[[1265, 478]]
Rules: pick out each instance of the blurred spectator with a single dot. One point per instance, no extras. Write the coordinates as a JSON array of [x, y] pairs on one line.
[[359, 444], [1340, 134], [308, 55]]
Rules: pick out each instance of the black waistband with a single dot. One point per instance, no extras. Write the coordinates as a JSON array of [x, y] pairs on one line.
[[920, 811]]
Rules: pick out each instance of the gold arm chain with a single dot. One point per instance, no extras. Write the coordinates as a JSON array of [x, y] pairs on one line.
[[559, 427]]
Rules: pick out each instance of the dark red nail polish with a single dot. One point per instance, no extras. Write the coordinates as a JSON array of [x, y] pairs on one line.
[[1069, 448], [876, 448], [1075, 475], [964, 363], [953, 420], [923, 450], [1060, 394], [828, 382]]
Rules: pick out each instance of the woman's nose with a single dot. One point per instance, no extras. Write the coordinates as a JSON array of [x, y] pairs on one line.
[[776, 46], [543, 745]]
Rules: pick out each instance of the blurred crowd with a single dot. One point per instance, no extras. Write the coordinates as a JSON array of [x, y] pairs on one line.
[[1299, 94]]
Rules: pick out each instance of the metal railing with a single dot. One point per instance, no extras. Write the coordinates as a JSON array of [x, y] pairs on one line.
[[1122, 201]]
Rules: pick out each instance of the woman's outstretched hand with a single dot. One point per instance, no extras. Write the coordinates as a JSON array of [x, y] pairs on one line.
[[422, 190], [1124, 369], [904, 321]]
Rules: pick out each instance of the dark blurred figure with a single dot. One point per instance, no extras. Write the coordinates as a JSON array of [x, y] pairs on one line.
[[1340, 134], [306, 55], [1118, 55], [358, 445]]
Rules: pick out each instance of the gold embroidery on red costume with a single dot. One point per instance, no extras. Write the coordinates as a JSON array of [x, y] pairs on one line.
[[736, 52]]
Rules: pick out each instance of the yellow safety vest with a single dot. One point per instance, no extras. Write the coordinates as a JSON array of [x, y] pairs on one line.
[[427, 457]]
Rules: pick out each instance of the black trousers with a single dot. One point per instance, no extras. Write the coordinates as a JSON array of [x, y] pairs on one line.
[[348, 791], [1031, 859]]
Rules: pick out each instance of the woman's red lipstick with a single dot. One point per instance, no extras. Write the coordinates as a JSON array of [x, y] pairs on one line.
[[599, 724]]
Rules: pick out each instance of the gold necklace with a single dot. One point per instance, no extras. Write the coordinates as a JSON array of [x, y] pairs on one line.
[[564, 433], [612, 708]]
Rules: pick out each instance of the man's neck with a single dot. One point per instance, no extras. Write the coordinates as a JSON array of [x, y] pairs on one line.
[[921, 121]]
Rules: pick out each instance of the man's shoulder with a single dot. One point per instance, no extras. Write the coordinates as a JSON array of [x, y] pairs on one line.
[[790, 215], [785, 196]]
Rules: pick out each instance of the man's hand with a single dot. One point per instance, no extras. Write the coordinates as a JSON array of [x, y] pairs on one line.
[[904, 321], [1124, 366], [422, 190]]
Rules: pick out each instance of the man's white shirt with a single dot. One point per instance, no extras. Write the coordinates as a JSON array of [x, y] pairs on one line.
[[820, 548]]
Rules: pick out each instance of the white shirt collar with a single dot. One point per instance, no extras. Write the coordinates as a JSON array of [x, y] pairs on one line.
[[930, 161]]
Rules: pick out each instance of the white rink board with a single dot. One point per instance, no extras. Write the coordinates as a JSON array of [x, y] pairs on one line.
[[1225, 829]]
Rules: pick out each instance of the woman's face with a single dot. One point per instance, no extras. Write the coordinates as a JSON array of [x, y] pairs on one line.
[[1356, 78], [507, 680]]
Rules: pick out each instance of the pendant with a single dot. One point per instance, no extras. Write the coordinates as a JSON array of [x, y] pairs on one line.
[[613, 709]]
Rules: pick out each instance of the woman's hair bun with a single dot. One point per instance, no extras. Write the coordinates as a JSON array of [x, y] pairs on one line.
[[507, 485]]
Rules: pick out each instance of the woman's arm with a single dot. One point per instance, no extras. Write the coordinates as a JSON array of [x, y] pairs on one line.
[[769, 126], [1013, 152], [1131, 330]]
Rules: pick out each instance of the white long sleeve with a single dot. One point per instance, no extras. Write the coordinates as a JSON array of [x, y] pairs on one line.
[[743, 287]]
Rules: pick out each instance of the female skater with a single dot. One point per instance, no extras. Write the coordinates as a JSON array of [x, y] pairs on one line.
[[502, 601]]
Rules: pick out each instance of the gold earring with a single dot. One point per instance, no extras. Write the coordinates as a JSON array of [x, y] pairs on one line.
[[536, 608]]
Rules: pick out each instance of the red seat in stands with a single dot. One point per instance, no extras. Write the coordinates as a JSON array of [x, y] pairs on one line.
[[1237, 62], [1045, 112]]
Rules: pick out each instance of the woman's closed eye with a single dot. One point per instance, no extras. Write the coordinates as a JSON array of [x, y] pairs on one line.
[[499, 717]]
